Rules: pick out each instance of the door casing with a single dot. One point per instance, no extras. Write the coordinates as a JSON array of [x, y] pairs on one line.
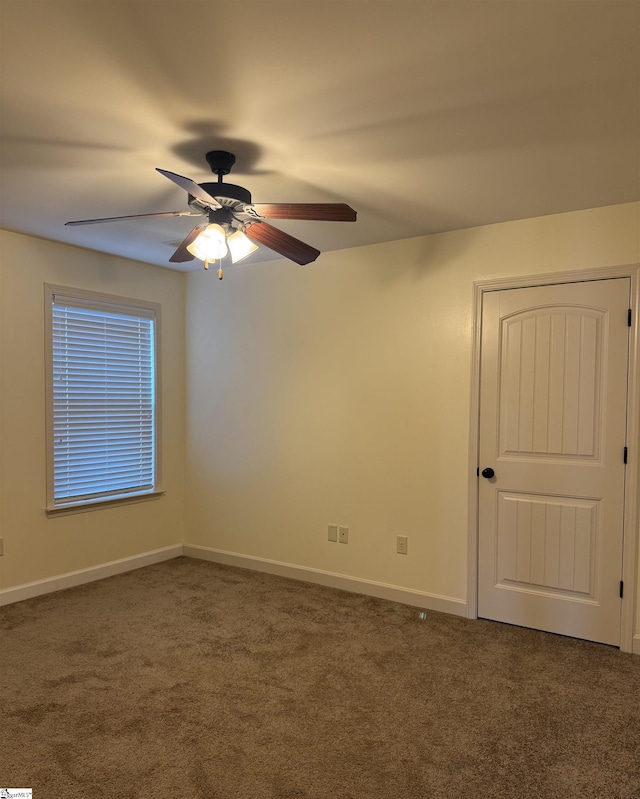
[[630, 544]]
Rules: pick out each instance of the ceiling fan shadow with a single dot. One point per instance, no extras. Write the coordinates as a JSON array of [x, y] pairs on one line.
[[561, 116], [207, 136], [33, 152]]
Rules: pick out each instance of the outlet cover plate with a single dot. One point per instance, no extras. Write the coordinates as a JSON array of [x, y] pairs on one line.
[[402, 544]]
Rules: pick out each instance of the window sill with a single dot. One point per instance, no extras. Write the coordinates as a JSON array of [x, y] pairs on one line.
[[102, 504]]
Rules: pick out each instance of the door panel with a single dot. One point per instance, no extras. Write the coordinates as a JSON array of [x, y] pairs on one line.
[[551, 363], [552, 426], [546, 543]]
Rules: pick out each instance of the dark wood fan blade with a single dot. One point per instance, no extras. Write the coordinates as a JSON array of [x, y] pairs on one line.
[[281, 242], [192, 187], [182, 254], [131, 216], [321, 212]]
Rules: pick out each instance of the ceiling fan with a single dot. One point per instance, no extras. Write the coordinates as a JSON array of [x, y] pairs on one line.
[[234, 225]]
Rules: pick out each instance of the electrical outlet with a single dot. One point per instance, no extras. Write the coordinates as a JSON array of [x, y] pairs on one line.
[[333, 532], [1, 546], [402, 544], [343, 535]]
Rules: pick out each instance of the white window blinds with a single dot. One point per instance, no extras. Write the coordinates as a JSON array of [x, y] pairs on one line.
[[103, 414]]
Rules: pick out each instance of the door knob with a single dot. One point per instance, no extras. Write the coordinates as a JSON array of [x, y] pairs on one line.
[[488, 472]]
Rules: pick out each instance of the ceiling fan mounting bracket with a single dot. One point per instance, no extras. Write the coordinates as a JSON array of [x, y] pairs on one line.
[[220, 161]]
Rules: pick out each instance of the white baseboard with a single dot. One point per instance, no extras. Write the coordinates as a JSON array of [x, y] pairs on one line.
[[394, 593], [356, 585], [71, 579]]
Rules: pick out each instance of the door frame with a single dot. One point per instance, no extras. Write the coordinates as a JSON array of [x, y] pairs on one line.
[[630, 542]]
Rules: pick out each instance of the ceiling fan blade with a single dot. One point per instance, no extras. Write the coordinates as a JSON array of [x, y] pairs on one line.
[[281, 242], [192, 187], [322, 212], [182, 254], [131, 216]]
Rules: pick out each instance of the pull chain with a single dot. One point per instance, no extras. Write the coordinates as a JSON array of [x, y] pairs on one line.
[[206, 266]]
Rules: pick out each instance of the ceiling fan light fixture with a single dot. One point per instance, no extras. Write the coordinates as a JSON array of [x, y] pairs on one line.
[[210, 245], [240, 246]]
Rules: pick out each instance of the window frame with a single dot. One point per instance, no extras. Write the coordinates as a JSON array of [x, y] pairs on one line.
[[111, 303]]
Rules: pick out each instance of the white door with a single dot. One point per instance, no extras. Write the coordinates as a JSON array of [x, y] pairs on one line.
[[552, 427]]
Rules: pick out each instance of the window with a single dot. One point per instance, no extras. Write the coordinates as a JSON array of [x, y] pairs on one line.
[[102, 408]]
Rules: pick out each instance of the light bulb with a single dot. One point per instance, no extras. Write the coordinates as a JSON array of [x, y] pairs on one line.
[[240, 246], [210, 244]]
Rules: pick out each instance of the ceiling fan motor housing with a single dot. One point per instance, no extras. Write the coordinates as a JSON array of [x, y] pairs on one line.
[[228, 194]]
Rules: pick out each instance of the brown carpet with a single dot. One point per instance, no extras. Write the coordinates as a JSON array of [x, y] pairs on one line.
[[193, 680]]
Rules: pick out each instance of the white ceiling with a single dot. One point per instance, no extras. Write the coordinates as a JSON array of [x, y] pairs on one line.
[[424, 116]]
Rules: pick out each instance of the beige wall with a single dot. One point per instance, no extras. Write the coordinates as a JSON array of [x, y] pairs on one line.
[[339, 394], [35, 546]]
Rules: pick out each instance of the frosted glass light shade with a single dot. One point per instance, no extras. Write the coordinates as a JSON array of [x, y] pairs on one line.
[[210, 244], [240, 246]]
